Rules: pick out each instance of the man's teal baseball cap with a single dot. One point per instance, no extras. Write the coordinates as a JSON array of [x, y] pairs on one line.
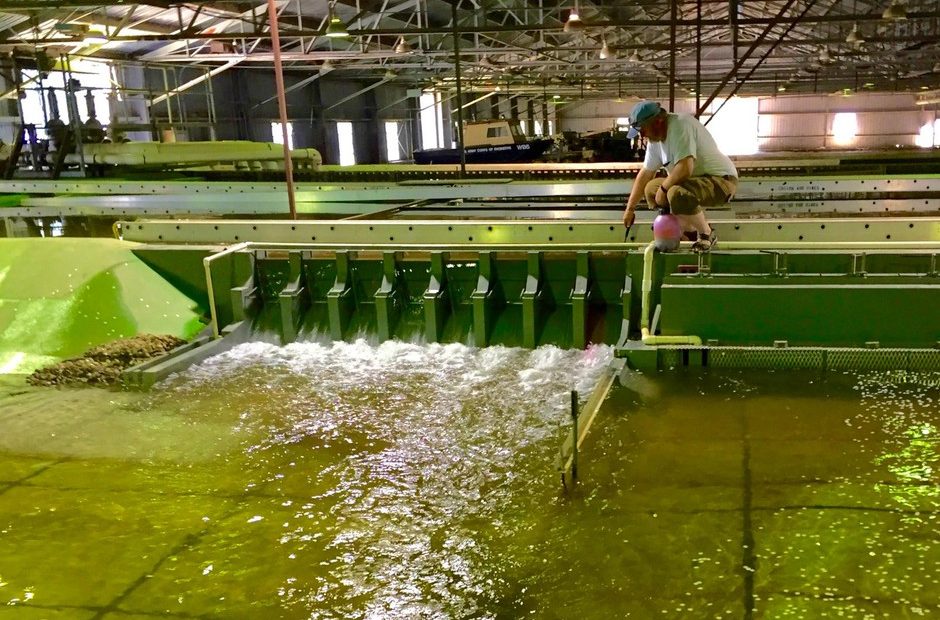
[[642, 112]]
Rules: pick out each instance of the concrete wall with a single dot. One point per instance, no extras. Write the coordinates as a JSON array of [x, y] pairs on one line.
[[793, 122]]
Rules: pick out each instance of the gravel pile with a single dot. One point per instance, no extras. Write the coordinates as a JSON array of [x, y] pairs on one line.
[[102, 365]]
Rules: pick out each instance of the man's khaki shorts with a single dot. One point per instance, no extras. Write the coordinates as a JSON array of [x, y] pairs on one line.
[[688, 197]]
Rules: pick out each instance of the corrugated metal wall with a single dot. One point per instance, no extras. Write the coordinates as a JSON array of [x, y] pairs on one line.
[[885, 120], [795, 122]]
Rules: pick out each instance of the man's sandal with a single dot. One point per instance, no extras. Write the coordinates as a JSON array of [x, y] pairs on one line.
[[705, 244]]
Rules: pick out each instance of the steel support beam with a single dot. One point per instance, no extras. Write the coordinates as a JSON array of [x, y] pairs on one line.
[[674, 13], [407, 31], [740, 83], [740, 61], [807, 233], [359, 92]]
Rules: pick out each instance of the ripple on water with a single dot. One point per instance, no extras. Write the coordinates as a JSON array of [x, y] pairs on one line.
[[407, 455]]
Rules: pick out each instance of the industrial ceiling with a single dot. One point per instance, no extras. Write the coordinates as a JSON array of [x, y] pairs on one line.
[[657, 48]]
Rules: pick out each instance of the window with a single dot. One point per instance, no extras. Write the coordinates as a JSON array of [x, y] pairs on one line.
[[277, 135], [538, 128], [432, 129], [392, 148], [929, 135], [735, 126], [347, 151], [844, 128], [93, 75], [551, 128], [494, 132]]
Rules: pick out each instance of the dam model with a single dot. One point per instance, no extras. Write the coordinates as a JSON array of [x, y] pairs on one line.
[[845, 274], [824, 273]]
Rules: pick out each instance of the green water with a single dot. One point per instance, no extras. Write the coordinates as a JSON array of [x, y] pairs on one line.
[[60, 297], [405, 481]]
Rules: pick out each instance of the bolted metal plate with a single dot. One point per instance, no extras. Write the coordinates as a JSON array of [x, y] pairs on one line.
[[762, 234]]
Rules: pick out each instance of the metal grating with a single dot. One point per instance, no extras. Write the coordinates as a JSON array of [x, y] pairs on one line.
[[751, 357], [817, 358], [670, 358], [869, 359], [925, 359]]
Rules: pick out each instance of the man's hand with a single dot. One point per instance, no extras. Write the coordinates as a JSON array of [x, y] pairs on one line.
[[629, 216], [661, 199]]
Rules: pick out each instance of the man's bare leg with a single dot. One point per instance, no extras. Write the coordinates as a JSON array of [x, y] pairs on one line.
[[696, 222]]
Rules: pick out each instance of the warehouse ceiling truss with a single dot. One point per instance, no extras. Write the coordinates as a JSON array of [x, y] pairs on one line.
[[705, 49]]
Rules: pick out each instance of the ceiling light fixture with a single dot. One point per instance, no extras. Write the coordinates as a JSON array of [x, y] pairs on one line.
[[855, 38], [895, 12], [605, 51], [936, 68], [402, 47], [335, 29], [824, 56], [326, 67], [574, 20], [635, 58]]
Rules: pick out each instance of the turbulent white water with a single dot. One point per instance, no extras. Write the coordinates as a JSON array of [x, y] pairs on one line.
[[411, 454]]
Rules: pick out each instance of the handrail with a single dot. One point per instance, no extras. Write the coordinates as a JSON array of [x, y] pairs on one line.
[[206, 263]]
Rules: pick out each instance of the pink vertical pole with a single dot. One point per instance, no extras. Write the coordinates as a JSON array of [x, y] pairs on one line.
[[282, 105]]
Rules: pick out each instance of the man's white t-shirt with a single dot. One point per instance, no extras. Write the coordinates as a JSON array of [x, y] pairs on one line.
[[685, 136]]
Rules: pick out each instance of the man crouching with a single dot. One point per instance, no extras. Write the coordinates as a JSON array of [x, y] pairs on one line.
[[699, 174]]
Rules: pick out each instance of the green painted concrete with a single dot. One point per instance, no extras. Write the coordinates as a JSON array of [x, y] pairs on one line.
[[58, 297]]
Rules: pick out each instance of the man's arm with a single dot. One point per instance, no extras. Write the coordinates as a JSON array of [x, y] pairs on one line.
[[644, 176], [680, 172]]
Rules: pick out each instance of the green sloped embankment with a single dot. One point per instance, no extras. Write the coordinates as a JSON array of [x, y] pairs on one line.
[[58, 297]]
